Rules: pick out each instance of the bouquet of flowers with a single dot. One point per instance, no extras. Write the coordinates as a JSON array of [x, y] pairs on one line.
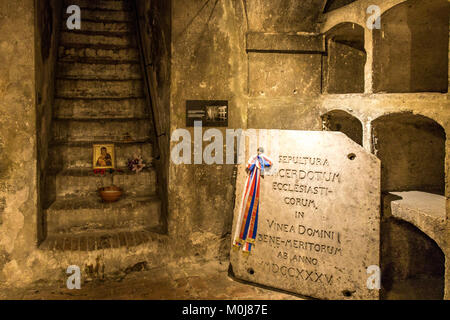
[[136, 164]]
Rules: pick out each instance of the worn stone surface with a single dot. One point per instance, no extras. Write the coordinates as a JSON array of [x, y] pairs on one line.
[[103, 130], [338, 120], [405, 36], [198, 50], [407, 253], [18, 184], [71, 215], [266, 70], [208, 62], [260, 41], [186, 281], [424, 210], [400, 146], [345, 69], [319, 217], [283, 15], [86, 86]]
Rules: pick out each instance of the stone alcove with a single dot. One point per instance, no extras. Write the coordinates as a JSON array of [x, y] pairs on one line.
[[410, 50], [339, 120], [345, 59], [412, 153]]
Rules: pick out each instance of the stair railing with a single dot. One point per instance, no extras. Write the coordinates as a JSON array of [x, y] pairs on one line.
[[152, 103]]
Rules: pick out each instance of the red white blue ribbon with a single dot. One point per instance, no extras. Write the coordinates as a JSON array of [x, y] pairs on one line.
[[247, 223]]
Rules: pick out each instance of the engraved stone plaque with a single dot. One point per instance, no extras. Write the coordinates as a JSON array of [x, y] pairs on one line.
[[319, 217]]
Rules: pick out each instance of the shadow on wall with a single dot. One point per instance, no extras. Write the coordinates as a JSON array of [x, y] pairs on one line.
[[343, 70], [412, 264], [412, 153], [338, 120], [336, 4], [411, 48]]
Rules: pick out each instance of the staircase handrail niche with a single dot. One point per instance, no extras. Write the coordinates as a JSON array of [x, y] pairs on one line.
[[152, 102]]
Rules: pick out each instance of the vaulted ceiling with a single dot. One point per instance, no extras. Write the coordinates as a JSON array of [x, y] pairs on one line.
[[283, 15], [335, 4], [288, 15]]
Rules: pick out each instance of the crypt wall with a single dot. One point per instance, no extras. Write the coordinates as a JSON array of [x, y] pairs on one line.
[[18, 165], [367, 107], [155, 29], [48, 23], [266, 58], [209, 63]]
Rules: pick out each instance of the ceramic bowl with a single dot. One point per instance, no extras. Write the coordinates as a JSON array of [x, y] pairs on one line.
[[110, 194]]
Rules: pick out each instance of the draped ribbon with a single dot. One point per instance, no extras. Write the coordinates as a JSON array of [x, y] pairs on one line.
[[247, 223]]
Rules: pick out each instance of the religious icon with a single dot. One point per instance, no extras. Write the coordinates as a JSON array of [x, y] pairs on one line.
[[103, 156], [247, 223]]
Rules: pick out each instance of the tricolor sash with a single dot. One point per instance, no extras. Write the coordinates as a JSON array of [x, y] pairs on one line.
[[247, 223]]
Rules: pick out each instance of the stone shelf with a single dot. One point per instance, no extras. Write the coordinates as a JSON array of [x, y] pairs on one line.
[[91, 241], [424, 210], [73, 215]]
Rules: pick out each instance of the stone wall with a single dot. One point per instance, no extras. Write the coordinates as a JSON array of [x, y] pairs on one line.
[[265, 58], [253, 55], [208, 63], [155, 30], [345, 69], [18, 165], [415, 33], [48, 20]]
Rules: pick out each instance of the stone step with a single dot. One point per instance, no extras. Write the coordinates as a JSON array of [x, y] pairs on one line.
[[105, 15], [75, 215], [72, 52], [100, 108], [116, 5], [79, 155], [83, 182], [102, 240], [86, 130], [99, 89], [102, 26], [98, 38], [103, 71]]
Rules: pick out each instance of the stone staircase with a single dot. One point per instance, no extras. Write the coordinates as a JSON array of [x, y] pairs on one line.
[[99, 99]]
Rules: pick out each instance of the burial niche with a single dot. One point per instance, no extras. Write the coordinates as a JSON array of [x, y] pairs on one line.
[[345, 59], [412, 153], [338, 120], [411, 48], [412, 264]]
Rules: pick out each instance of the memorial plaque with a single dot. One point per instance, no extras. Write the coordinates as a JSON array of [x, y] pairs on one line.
[[319, 217]]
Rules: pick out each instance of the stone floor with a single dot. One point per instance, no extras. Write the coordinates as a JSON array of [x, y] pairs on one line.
[[190, 281], [193, 281]]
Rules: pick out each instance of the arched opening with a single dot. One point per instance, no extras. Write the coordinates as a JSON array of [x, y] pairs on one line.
[[345, 59], [412, 153], [411, 48], [412, 264], [338, 120]]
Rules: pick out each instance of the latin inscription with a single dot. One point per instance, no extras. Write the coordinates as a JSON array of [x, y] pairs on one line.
[[318, 216], [301, 182]]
